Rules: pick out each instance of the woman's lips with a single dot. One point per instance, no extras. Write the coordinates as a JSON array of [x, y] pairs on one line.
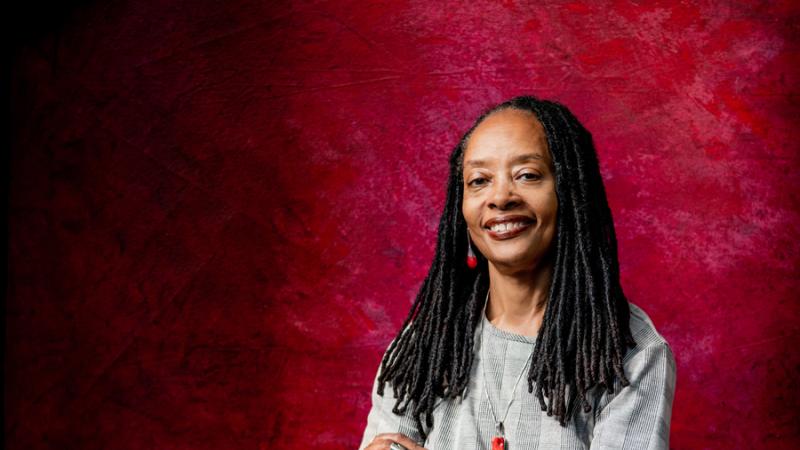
[[503, 235]]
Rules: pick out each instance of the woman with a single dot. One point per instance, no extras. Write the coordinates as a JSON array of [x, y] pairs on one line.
[[525, 281]]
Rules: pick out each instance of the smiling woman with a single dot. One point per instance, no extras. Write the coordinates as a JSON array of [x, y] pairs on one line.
[[538, 295], [510, 206]]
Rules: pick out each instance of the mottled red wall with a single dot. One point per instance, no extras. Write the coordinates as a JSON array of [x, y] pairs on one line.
[[221, 211]]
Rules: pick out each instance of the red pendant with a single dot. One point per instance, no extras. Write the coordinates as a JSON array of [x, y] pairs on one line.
[[472, 261], [498, 443]]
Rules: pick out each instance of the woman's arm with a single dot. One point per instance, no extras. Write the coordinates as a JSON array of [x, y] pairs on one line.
[[381, 419], [638, 417]]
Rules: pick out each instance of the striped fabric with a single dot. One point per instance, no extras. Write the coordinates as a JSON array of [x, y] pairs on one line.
[[638, 417]]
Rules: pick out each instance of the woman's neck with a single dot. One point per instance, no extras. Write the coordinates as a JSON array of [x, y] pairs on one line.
[[517, 300]]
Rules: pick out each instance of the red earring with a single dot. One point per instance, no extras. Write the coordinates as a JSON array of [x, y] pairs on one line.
[[472, 260]]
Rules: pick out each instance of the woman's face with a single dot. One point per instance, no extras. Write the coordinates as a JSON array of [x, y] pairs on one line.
[[510, 201]]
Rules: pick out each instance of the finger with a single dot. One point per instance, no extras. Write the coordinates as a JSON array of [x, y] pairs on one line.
[[379, 444], [401, 439]]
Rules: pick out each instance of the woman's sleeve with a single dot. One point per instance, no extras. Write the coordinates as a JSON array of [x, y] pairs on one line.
[[381, 419], [638, 416]]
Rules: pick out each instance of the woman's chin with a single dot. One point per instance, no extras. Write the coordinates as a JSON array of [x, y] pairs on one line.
[[512, 261]]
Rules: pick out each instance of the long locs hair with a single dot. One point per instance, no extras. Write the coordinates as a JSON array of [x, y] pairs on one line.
[[585, 331]]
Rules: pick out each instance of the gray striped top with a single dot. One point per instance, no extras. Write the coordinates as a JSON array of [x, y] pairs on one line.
[[638, 417]]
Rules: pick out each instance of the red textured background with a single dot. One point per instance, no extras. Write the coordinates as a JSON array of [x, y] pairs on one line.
[[220, 212]]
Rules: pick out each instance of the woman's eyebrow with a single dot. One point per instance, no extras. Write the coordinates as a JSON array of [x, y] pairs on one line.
[[516, 159]]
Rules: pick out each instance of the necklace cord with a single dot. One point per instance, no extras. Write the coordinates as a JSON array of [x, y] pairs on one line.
[[499, 423]]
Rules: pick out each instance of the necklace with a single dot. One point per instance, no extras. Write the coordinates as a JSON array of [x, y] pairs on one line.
[[499, 440]]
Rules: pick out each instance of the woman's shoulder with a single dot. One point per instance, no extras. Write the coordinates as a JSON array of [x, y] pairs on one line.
[[649, 367], [644, 332]]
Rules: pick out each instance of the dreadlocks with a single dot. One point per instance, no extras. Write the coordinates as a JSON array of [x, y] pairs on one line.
[[585, 331]]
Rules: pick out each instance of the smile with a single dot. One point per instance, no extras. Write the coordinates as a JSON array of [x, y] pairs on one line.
[[507, 230], [507, 226]]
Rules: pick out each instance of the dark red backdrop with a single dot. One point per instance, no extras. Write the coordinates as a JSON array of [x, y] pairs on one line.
[[220, 214]]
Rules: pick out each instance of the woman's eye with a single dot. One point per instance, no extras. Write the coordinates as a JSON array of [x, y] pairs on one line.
[[531, 176], [477, 182]]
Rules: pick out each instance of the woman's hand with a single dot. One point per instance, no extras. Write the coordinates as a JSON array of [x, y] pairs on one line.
[[384, 441]]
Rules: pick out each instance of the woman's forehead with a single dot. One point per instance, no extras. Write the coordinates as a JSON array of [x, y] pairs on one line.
[[506, 133]]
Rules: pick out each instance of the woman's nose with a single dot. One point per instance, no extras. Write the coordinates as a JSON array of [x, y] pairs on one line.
[[503, 195]]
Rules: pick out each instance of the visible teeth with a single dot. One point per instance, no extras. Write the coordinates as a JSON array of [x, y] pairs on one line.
[[501, 227]]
